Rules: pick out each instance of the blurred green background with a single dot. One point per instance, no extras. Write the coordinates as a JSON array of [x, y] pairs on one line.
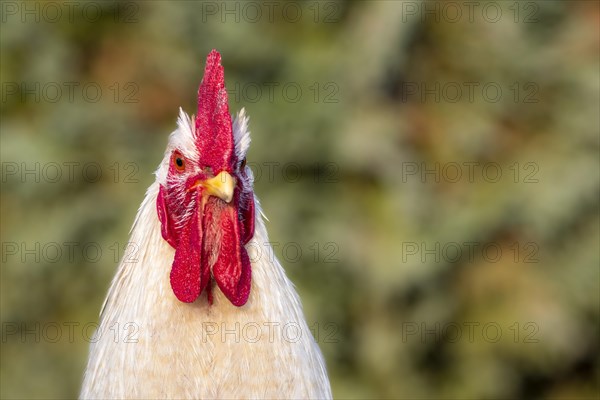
[[430, 171]]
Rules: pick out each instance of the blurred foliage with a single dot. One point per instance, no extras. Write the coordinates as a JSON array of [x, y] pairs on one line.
[[396, 313]]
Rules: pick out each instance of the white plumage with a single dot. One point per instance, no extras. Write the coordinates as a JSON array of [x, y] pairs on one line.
[[171, 349]]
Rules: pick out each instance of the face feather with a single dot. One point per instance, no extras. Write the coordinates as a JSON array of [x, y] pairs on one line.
[[205, 203]]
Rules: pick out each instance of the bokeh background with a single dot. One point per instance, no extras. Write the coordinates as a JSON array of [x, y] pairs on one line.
[[430, 171]]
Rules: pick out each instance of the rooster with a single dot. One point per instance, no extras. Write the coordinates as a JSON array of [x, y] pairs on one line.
[[204, 308]]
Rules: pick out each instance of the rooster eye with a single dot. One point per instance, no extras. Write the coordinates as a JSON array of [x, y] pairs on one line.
[[179, 161]]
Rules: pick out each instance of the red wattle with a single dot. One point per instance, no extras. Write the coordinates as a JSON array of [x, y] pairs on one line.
[[187, 281], [231, 269]]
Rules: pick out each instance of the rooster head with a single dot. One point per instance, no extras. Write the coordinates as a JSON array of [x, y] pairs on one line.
[[205, 202]]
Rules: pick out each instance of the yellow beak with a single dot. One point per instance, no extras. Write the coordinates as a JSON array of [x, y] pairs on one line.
[[220, 186]]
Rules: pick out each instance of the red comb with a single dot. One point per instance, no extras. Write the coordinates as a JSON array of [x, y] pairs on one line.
[[214, 135]]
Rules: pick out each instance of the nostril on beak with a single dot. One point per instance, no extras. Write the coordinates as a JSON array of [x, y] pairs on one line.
[[221, 186]]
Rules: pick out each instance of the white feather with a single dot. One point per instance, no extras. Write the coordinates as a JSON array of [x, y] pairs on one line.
[[151, 345], [241, 134]]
